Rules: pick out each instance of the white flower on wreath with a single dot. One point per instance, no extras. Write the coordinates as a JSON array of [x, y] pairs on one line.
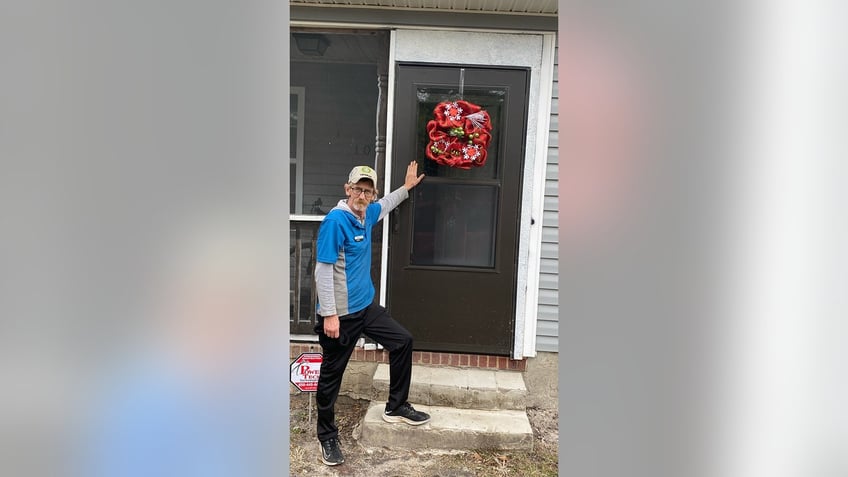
[[442, 144], [471, 152], [453, 111]]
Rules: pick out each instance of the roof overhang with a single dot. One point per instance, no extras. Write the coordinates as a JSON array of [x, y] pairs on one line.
[[509, 15], [509, 7]]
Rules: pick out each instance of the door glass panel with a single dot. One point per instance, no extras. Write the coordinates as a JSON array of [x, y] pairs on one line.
[[490, 99], [454, 225]]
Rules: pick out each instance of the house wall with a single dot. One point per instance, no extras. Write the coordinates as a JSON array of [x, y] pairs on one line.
[[546, 312], [461, 47], [547, 327]]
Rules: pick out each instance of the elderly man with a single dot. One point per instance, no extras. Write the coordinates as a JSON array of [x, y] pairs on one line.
[[346, 305]]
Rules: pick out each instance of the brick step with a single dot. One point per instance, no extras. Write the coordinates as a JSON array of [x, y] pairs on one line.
[[450, 428], [463, 388]]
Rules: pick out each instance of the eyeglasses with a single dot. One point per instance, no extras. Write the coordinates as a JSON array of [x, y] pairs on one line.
[[368, 193]]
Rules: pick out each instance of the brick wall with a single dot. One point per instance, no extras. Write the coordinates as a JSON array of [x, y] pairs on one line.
[[459, 360]]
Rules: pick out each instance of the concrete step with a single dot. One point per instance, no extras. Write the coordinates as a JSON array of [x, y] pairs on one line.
[[464, 388], [449, 428]]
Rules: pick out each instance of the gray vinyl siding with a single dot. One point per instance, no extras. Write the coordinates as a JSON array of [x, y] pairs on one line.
[[547, 326]]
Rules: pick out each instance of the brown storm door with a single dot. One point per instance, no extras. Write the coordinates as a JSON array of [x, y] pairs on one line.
[[453, 246]]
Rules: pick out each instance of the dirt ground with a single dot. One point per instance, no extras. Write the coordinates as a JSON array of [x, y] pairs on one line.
[[381, 462]]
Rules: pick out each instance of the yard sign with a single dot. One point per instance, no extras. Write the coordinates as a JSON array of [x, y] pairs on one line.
[[305, 370]]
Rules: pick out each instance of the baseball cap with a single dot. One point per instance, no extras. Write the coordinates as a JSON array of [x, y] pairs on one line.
[[362, 172]]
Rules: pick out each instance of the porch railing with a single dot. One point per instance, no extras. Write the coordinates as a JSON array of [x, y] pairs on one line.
[[302, 295]]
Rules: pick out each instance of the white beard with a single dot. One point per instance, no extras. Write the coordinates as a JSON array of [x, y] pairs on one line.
[[358, 205]]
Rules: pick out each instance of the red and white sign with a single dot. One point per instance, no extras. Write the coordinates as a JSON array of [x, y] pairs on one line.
[[305, 371]]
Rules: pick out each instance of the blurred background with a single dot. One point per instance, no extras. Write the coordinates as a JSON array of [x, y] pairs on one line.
[[145, 193]]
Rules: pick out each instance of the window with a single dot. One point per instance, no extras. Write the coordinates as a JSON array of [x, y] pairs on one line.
[[334, 105], [334, 78], [296, 131]]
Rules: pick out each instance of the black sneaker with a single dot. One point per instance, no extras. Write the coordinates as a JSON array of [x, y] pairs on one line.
[[331, 453], [406, 413]]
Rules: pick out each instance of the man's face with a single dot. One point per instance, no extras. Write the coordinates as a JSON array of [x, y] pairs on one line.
[[359, 195]]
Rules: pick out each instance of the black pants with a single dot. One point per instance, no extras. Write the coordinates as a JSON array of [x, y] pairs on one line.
[[375, 323]]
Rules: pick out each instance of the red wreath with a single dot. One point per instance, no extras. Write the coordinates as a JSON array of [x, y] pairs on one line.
[[459, 134]]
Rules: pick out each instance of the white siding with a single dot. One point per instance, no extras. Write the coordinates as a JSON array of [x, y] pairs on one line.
[[547, 328]]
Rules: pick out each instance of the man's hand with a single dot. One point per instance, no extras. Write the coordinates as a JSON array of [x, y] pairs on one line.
[[412, 177], [331, 326]]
